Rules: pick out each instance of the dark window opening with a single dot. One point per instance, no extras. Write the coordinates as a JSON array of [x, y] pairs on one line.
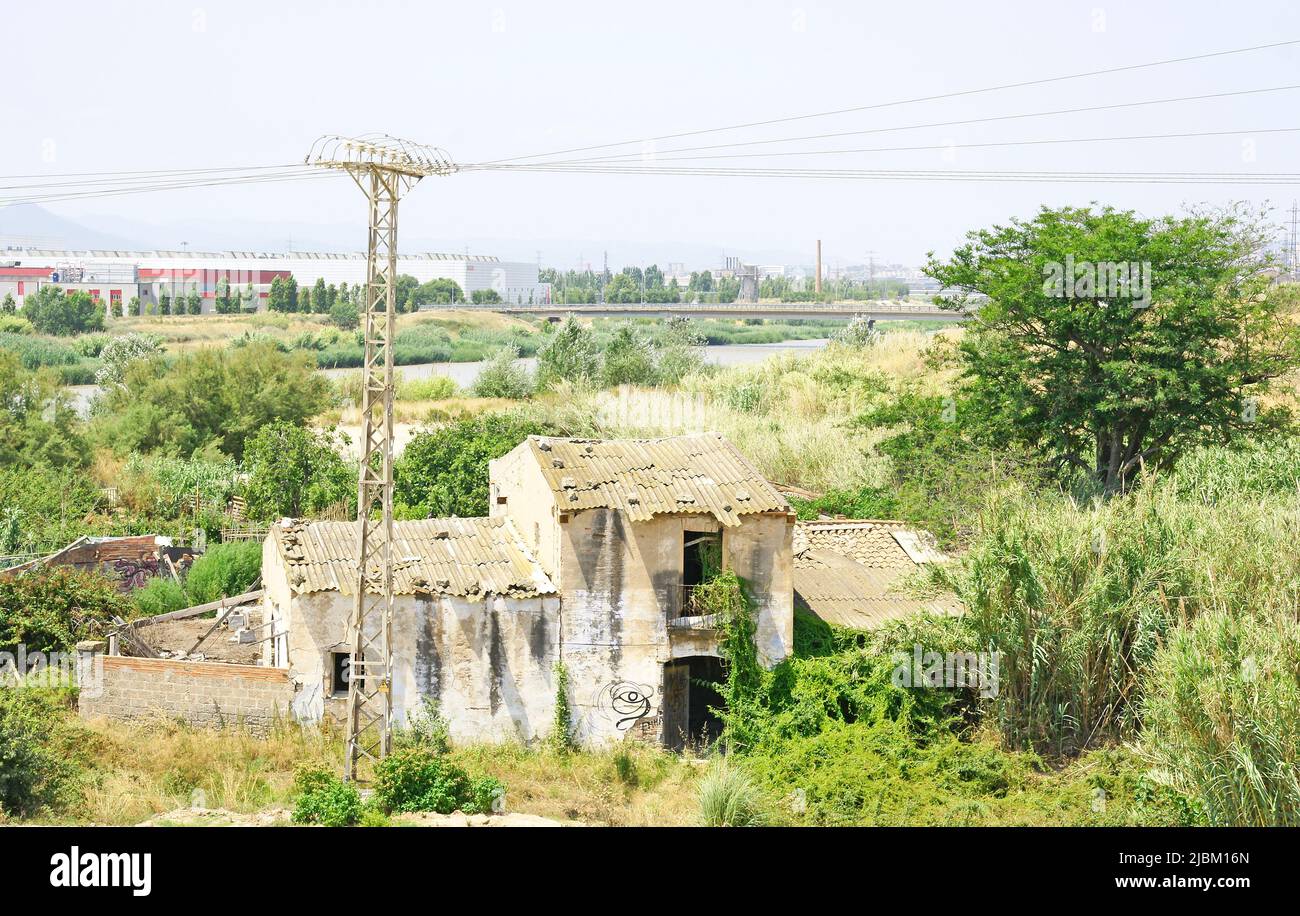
[[341, 667], [701, 561], [690, 701]]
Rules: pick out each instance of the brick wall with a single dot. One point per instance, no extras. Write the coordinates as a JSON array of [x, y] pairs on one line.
[[201, 693]]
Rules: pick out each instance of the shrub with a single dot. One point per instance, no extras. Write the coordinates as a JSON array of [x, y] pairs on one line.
[[160, 595], [344, 315], [727, 798], [1222, 716], [43, 751], [429, 388], [224, 570], [504, 377], [323, 798], [418, 779], [120, 352], [426, 728], [209, 400], [50, 609], [569, 354], [486, 795]]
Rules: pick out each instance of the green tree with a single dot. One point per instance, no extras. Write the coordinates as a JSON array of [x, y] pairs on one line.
[[485, 296], [570, 353], [629, 360], [51, 311], [320, 296], [296, 472], [344, 315], [209, 400], [444, 472], [193, 302], [1104, 379], [37, 424], [222, 304], [8, 306], [277, 299], [439, 292]]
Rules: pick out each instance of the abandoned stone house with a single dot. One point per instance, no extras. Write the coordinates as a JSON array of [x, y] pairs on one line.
[[588, 558]]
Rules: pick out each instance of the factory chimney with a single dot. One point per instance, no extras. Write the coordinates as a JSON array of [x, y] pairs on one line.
[[817, 281]]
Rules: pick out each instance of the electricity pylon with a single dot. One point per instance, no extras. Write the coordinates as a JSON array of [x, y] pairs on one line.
[[384, 168]]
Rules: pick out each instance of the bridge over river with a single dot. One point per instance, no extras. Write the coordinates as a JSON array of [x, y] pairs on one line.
[[880, 310]]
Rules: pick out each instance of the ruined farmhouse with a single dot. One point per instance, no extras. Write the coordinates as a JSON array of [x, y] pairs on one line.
[[588, 559], [588, 562]]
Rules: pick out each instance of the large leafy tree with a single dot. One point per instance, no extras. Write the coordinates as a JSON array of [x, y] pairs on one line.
[[444, 472], [38, 426], [208, 400], [1103, 379], [52, 311], [296, 471]]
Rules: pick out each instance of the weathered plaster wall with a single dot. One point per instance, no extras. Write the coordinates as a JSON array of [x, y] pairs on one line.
[[528, 501], [759, 551], [488, 663]]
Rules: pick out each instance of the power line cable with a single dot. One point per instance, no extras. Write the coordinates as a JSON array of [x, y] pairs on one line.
[[945, 146], [884, 130], [930, 98]]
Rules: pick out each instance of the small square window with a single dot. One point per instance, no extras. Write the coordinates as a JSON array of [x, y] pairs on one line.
[[341, 669]]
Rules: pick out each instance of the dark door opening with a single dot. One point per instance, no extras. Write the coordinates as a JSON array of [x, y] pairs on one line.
[[689, 701]]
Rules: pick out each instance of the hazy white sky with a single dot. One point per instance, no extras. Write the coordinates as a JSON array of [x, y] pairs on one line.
[[102, 85]]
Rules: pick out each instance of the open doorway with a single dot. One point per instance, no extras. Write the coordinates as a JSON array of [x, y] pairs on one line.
[[701, 561], [689, 701]]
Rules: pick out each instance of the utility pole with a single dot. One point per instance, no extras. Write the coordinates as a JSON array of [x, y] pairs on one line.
[[384, 168], [1292, 252]]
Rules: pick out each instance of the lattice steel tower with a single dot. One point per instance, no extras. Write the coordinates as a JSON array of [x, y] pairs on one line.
[[384, 168]]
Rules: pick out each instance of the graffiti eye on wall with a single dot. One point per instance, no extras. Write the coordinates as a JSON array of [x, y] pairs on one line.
[[625, 702]]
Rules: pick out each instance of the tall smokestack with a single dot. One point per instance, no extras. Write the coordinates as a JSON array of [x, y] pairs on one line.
[[817, 281]]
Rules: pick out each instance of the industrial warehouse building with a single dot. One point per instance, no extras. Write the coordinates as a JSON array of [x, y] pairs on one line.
[[120, 276]]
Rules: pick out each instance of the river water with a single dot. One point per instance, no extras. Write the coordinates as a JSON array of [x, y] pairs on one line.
[[464, 374]]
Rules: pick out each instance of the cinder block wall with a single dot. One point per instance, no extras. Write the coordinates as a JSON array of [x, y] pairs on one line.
[[201, 693]]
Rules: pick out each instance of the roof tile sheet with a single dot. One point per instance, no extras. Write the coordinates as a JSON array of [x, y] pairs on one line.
[[649, 477], [851, 573], [469, 557]]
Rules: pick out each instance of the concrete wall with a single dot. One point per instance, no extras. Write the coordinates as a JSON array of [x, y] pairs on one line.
[[201, 693], [620, 584], [488, 663], [519, 490]]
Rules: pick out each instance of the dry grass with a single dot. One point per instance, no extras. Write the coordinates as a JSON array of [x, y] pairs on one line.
[[188, 332], [632, 785], [148, 769]]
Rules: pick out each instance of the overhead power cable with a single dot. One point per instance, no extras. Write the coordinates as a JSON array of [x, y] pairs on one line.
[[884, 130], [1189, 178], [947, 146], [305, 175], [909, 101]]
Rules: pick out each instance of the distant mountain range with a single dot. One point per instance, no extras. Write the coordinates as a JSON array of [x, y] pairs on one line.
[[29, 225]]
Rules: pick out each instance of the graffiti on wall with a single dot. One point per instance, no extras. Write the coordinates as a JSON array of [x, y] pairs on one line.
[[135, 571], [625, 702]]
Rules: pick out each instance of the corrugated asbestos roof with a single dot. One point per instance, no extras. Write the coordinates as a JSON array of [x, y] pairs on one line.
[[648, 477], [470, 557], [851, 573], [871, 543]]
